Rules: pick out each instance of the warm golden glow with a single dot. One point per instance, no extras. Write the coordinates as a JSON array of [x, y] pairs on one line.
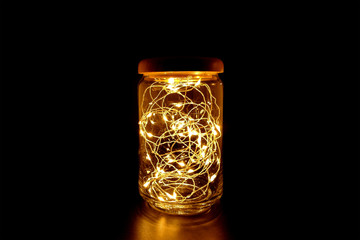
[[180, 127], [147, 223]]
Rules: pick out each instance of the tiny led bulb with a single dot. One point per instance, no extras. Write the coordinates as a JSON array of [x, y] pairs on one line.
[[171, 80], [214, 131], [217, 127], [171, 196]]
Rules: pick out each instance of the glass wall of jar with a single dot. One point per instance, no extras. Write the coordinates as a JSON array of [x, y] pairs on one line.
[[180, 130]]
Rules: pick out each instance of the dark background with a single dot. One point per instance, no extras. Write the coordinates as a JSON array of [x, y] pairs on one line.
[[73, 114]]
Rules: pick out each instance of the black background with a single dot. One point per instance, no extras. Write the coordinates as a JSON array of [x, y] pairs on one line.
[[73, 114]]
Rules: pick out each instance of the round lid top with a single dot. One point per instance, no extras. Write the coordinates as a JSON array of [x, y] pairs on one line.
[[181, 64]]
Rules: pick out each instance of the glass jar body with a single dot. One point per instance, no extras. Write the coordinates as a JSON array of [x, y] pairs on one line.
[[180, 125]]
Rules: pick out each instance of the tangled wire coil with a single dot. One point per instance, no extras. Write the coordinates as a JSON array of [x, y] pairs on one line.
[[180, 127]]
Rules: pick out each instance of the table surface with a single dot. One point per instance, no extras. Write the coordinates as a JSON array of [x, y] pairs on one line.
[[147, 223]]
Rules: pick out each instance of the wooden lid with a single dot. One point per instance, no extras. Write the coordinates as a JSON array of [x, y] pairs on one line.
[[181, 64]]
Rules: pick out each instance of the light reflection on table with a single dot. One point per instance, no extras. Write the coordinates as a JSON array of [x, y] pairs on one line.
[[149, 224]]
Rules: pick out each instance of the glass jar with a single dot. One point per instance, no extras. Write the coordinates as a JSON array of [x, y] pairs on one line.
[[180, 124]]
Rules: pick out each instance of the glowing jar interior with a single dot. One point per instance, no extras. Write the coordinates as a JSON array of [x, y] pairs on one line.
[[180, 130]]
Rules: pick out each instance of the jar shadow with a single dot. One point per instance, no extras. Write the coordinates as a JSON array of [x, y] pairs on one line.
[[147, 223]]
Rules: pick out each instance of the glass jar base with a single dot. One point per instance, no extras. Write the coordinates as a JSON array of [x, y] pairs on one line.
[[180, 208]]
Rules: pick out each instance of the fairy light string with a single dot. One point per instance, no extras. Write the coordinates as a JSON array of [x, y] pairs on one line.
[[180, 127]]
